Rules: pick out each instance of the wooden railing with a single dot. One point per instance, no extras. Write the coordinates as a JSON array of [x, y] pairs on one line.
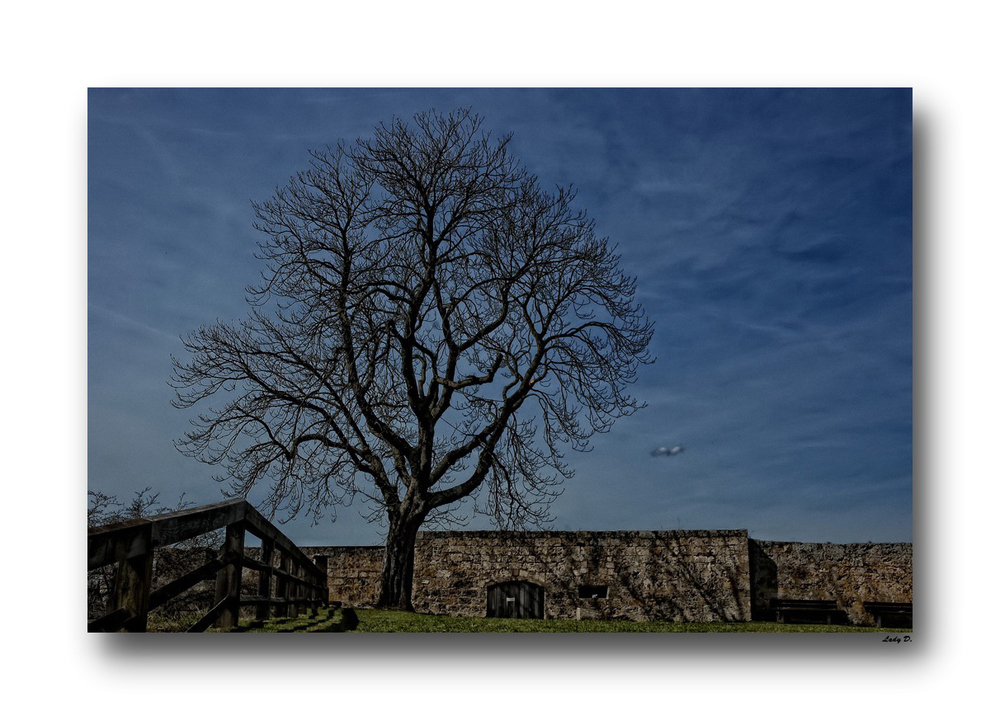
[[298, 584]]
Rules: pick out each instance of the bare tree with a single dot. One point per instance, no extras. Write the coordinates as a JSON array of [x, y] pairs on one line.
[[432, 327]]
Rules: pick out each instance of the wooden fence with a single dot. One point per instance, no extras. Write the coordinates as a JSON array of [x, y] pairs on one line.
[[285, 589]]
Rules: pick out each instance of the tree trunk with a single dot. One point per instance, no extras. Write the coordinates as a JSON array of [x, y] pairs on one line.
[[397, 570]]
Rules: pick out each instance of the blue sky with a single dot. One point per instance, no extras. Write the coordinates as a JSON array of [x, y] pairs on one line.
[[770, 232]]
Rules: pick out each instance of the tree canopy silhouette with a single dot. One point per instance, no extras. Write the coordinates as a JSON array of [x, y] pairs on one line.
[[432, 327]]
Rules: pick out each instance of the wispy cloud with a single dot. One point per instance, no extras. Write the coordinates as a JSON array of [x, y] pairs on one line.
[[769, 231]]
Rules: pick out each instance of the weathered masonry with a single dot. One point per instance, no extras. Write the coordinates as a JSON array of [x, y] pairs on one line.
[[683, 575]]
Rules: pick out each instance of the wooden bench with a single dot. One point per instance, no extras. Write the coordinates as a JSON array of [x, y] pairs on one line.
[[808, 610], [891, 614]]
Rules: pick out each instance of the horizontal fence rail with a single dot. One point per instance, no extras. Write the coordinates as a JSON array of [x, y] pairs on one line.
[[288, 580]]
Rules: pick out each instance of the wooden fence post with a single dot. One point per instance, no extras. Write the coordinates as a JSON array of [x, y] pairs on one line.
[[133, 583], [264, 578], [281, 586], [229, 580], [294, 588]]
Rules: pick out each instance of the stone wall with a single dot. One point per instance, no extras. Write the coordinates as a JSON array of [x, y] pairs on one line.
[[851, 574], [699, 575], [352, 572], [679, 575]]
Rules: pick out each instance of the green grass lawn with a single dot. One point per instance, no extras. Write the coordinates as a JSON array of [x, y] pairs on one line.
[[396, 621]]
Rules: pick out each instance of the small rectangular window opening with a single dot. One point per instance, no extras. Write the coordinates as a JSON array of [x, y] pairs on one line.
[[596, 592]]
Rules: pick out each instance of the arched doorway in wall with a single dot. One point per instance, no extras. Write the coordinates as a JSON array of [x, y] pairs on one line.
[[515, 599]]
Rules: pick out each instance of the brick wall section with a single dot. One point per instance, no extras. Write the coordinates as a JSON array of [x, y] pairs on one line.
[[851, 574]]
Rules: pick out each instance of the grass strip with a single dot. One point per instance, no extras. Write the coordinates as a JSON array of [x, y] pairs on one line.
[[396, 621]]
